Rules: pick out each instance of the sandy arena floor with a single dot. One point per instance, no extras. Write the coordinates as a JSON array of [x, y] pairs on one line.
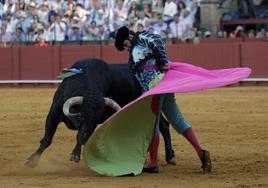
[[231, 122]]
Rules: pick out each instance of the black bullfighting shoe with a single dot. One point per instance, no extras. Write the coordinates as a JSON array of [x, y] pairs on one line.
[[206, 161], [151, 169]]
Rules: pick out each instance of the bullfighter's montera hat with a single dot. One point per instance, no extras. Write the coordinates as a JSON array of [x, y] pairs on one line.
[[122, 34]]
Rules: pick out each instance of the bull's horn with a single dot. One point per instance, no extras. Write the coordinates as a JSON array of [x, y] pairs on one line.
[[112, 104], [78, 100]]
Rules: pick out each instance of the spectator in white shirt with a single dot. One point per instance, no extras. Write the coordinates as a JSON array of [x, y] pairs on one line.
[[188, 2], [10, 24], [99, 18], [91, 32], [19, 35], [23, 21], [46, 33], [142, 18], [31, 10], [261, 34], [75, 34], [5, 36], [181, 7], [113, 31], [170, 9], [127, 3], [103, 33], [57, 30], [160, 26], [105, 10], [1, 11], [176, 29], [42, 12], [195, 13], [120, 11], [39, 2], [10, 4], [133, 9], [186, 19], [80, 12], [157, 6], [31, 36], [88, 18]]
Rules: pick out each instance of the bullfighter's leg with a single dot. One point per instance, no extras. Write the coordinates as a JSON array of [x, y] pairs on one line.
[[164, 129], [52, 122], [175, 117], [152, 166]]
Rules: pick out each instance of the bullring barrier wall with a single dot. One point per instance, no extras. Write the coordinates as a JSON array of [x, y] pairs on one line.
[[45, 63]]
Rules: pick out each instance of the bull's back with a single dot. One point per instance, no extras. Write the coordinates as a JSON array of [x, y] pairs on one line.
[[92, 67], [92, 80], [111, 80]]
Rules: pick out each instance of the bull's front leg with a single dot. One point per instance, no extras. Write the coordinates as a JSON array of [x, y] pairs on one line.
[[76, 153], [86, 126], [73, 123], [83, 134], [52, 122]]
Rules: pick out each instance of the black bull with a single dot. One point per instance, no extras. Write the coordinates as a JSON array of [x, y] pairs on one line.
[[99, 82]]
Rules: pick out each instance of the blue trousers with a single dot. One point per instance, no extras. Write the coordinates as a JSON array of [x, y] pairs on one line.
[[170, 109]]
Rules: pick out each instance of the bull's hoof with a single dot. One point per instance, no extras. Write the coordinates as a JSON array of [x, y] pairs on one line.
[[172, 161], [32, 160], [75, 158]]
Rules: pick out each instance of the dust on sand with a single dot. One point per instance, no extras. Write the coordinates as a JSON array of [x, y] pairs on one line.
[[231, 122]]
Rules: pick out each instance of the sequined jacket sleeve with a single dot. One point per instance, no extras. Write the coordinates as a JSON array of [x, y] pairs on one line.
[[157, 45]]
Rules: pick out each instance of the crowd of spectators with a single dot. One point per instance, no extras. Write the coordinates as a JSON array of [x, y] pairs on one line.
[[94, 20], [56, 21]]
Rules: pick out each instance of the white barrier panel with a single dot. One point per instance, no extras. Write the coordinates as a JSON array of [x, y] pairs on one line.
[[30, 81]]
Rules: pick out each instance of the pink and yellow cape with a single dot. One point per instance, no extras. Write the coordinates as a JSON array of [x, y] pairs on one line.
[[119, 146]]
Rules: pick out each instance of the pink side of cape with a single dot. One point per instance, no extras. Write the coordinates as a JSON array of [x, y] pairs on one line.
[[183, 77]]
